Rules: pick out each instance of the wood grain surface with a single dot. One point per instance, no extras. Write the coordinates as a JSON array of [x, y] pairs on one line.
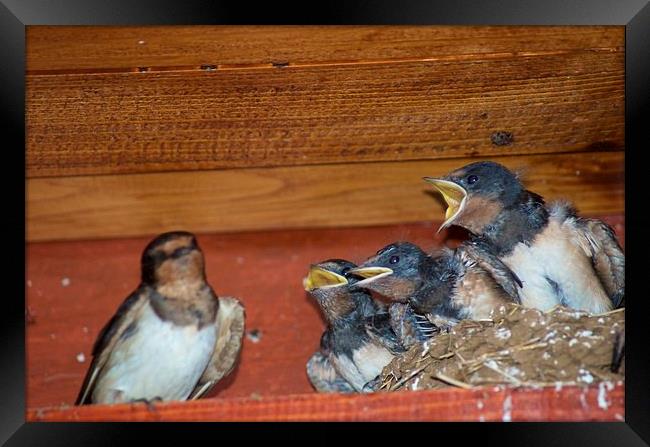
[[292, 197], [73, 288], [598, 402], [93, 48], [555, 90], [245, 135]]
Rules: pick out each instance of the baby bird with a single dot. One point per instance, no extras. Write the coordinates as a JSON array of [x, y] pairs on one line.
[[172, 338], [358, 342], [446, 287], [561, 258]]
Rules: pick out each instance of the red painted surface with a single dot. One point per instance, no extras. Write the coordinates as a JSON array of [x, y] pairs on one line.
[[602, 402], [263, 269]]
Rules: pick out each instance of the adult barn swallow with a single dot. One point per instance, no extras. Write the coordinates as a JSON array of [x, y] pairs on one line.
[[359, 341], [561, 258], [172, 338], [447, 286]]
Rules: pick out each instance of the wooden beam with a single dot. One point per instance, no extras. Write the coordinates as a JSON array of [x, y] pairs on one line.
[[290, 197], [93, 48], [447, 107], [571, 403]]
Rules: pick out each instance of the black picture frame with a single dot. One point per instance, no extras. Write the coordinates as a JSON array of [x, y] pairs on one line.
[[16, 14]]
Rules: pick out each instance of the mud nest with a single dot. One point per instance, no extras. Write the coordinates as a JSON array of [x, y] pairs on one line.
[[518, 347]]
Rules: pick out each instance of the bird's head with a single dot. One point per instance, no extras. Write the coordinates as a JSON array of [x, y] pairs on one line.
[[393, 272], [173, 257], [476, 193], [328, 284]]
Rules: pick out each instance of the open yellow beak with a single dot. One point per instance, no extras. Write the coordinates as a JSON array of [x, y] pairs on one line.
[[370, 273], [454, 196], [319, 278]]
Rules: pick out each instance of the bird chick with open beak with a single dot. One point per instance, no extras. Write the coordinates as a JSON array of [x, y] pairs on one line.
[[172, 338], [561, 258], [445, 287], [358, 342]]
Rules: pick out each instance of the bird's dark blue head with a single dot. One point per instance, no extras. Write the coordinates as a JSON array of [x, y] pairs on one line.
[[172, 256], [328, 283], [394, 272], [488, 179], [476, 193]]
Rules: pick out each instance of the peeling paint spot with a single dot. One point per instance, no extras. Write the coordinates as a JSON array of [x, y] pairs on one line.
[[602, 396], [254, 335], [583, 400], [65, 282], [507, 409]]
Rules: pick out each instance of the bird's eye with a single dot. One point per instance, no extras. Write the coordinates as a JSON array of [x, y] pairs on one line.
[[472, 179], [345, 270], [393, 259]]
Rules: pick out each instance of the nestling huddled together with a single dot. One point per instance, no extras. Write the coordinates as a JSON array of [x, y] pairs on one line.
[[519, 250]]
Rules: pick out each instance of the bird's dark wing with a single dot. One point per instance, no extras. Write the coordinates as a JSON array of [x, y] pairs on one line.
[[378, 327], [481, 253], [118, 325], [230, 331], [324, 377], [607, 257], [326, 342]]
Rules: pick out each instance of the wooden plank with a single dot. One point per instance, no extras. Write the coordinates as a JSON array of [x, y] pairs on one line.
[[450, 107], [602, 402], [73, 288], [93, 48], [292, 197]]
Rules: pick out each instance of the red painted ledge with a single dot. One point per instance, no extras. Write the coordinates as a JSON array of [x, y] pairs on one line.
[[598, 402]]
